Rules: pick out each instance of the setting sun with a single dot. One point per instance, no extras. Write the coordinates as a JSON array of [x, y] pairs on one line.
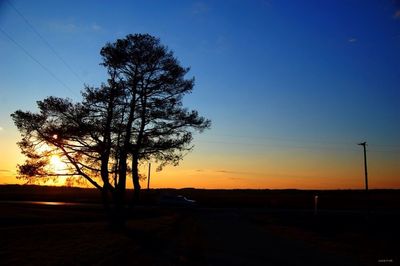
[[57, 165]]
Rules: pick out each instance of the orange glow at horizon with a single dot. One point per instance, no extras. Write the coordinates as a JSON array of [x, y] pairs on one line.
[[273, 169], [221, 179], [215, 179]]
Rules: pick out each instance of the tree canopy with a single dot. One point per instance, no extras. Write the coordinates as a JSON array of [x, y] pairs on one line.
[[137, 115]]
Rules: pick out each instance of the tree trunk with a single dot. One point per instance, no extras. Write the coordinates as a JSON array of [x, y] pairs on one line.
[[105, 198], [123, 156], [135, 181], [117, 213], [104, 176]]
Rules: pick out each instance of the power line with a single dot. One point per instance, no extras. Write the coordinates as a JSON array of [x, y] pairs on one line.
[[45, 41], [286, 139], [289, 146], [297, 140], [36, 60], [301, 147], [385, 151]]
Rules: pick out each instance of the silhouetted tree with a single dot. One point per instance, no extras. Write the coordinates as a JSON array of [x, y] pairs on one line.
[[138, 115], [153, 84]]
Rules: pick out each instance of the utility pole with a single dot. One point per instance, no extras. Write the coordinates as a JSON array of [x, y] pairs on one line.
[[148, 177], [364, 144]]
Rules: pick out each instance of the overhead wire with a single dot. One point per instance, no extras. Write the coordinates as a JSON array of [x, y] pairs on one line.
[[326, 145], [301, 140], [51, 73], [44, 41], [36, 60], [288, 146]]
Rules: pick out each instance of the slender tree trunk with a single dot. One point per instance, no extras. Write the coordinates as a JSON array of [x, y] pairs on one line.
[[115, 219], [135, 181], [106, 184], [121, 186], [120, 191], [105, 198], [135, 152], [123, 167]]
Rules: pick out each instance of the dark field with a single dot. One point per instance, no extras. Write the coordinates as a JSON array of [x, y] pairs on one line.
[[229, 227]]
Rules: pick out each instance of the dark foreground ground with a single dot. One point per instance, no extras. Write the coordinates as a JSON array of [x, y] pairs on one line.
[[281, 230]]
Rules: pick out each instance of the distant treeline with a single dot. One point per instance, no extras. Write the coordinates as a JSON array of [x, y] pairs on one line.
[[380, 199]]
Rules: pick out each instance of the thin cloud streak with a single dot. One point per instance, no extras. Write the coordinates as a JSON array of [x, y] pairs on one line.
[[235, 172], [236, 178], [96, 27], [266, 174], [72, 27], [199, 8]]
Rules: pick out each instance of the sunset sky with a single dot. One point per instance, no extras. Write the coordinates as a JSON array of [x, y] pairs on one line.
[[291, 87]]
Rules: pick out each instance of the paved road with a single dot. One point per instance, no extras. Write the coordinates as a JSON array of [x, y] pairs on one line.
[[228, 237]]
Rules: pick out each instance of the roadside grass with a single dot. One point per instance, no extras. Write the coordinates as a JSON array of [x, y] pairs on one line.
[[51, 241], [370, 238]]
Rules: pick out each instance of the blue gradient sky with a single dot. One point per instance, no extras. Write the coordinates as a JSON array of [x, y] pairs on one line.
[[291, 87]]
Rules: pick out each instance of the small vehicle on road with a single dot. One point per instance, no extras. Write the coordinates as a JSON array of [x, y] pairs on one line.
[[176, 201]]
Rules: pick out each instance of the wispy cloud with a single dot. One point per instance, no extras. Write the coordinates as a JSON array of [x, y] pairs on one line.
[[397, 14], [73, 27], [199, 8], [4, 171], [224, 171], [352, 40], [64, 27], [233, 172], [235, 178], [218, 45], [96, 27], [1, 129], [266, 3]]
